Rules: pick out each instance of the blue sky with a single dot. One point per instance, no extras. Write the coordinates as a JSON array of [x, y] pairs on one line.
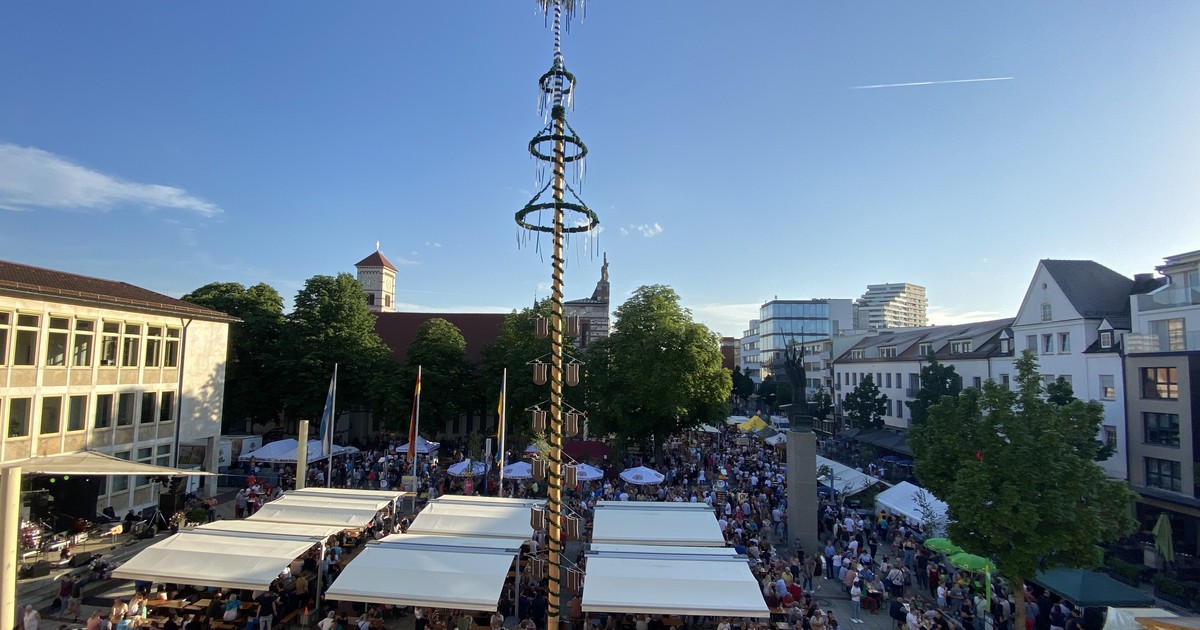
[[174, 144]]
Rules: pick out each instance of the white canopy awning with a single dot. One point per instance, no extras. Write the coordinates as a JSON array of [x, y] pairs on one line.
[[708, 428], [85, 463], [332, 515], [424, 447], [251, 526], [350, 493], [430, 540], [285, 451], [464, 578], [845, 479], [226, 561], [656, 524], [736, 419], [353, 503], [473, 519], [905, 500], [672, 586], [660, 550]]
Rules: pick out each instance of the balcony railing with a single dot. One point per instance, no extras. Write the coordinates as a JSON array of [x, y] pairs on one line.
[[1168, 298], [1140, 343]]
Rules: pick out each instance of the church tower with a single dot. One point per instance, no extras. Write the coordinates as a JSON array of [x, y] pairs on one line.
[[377, 277]]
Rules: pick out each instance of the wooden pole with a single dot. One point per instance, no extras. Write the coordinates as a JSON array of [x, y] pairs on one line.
[[10, 523]]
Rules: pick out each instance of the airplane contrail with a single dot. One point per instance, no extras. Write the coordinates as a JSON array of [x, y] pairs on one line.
[[892, 85]]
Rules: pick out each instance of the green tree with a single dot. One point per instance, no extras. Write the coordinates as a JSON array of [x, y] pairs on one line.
[[514, 348], [822, 403], [658, 373], [1060, 392], [866, 405], [768, 392], [937, 380], [1018, 475], [254, 377], [331, 324], [441, 351], [743, 385]]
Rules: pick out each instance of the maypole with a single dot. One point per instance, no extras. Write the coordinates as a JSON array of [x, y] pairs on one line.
[[555, 93]]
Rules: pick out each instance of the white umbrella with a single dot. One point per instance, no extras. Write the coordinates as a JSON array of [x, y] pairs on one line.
[[519, 470], [532, 449], [424, 447], [642, 476], [460, 469], [587, 472]]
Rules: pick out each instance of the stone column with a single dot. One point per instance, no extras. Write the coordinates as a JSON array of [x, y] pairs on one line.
[[802, 478], [212, 458]]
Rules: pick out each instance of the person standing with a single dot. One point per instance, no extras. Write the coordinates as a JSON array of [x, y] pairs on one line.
[[268, 607], [856, 602], [31, 618]]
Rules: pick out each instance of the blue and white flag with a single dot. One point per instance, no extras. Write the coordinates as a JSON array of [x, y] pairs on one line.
[[327, 417]]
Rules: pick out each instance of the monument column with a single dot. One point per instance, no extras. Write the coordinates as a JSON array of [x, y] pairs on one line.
[[802, 478]]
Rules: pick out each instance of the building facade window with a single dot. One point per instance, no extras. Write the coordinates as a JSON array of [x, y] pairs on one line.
[[1161, 429], [960, 347], [977, 382], [1004, 380], [1048, 344], [924, 349], [1170, 333], [120, 483], [153, 346], [1164, 473], [85, 334], [856, 354], [1031, 343], [888, 377], [56, 341], [1161, 383], [110, 338], [51, 415], [4, 328], [163, 455], [18, 416], [1064, 342], [145, 455], [1047, 312], [25, 340], [77, 413], [1005, 346], [887, 352], [1110, 436], [149, 407], [129, 345], [1108, 387], [125, 403], [166, 407], [1106, 340], [104, 410], [171, 348]]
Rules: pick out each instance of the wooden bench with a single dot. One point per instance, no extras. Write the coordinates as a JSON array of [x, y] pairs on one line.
[[287, 619]]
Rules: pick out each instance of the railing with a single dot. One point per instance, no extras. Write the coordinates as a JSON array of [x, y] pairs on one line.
[[1168, 298], [1140, 343]]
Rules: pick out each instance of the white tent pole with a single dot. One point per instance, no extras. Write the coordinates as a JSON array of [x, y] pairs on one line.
[[320, 561], [10, 499], [302, 456]]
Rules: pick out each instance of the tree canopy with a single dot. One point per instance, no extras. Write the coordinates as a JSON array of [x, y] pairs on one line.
[[937, 380], [441, 352], [253, 374], [1018, 474], [865, 404], [657, 373]]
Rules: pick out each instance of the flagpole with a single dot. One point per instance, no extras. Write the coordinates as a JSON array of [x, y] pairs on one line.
[[332, 427], [503, 429]]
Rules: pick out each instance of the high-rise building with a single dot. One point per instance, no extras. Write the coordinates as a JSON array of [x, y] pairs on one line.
[[893, 305]]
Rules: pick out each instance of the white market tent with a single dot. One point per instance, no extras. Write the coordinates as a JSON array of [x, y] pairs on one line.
[[708, 428], [298, 508], [284, 451], [459, 469], [603, 549], [642, 476], [905, 499], [845, 479], [350, 493], [672, 584], [424, 447], [518, 470], [251, 526], [362, 503], [736, 419], [1126, 618], [680, 524], [462, 577], [84, 463], [475, 516], [777, 439], [225, 560]]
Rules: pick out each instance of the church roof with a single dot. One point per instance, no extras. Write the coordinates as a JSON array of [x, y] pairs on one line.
[[48, 284], [376, 259]]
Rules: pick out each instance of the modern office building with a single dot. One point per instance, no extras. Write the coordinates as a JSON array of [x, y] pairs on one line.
[[895, 305], [93, 364], [782, 323]]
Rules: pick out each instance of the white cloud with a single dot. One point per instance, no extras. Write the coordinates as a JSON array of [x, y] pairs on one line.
[[404, 262], [648, 230], [432, 244], [942, 316], [32, 178]]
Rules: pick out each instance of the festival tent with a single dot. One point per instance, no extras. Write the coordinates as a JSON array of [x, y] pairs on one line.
[[736, 419], [587, 472], [753, 424], [424, 447], [1146, 618], [251, 526], [91, 463], [225, 560], [642, 476], [518, 470], [673, 583], [350, 493], [777, 439], [460, 469], [344, 513], [284, 451], [481, 517], [708, 428], [1089, 588], [439, 574], [905, 500], [653, 523], [845, 479]]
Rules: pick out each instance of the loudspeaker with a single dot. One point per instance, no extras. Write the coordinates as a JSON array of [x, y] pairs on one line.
[[169, 503], [80, 560], [40, 568]]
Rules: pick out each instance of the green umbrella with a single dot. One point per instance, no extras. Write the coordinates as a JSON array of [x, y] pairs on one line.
[[972, 562], [942, 545], [1163, 538]]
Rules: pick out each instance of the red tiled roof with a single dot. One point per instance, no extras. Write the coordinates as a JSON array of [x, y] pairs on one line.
[[375, 260], [399, 330], [18, 279]]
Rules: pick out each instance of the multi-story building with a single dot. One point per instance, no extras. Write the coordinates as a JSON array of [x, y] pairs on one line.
[[92, 364], [593, 312], [894, 358], [748, 352], [894, 305], [378, 279], [782, 323], [1162, 399]]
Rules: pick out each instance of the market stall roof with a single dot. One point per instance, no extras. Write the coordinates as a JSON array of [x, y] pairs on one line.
[[92, 463], [1130, 618], [285, 450], [465, 578], [353, 503], [708, 428], [475, 516], [905, 499], [845, 478], [250, 526], [231, 560], [650, 524], [736, 419], [1089, 588], [608, 549], [424, 447], [351, 493], [672, 585], [329, 514], [432, 540]]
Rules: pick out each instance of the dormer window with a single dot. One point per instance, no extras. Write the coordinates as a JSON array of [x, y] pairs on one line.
[[925, 349], [887, 352], [856, 354], [1106, 340], [1005, 346], [1046, 312], [960, 347]]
